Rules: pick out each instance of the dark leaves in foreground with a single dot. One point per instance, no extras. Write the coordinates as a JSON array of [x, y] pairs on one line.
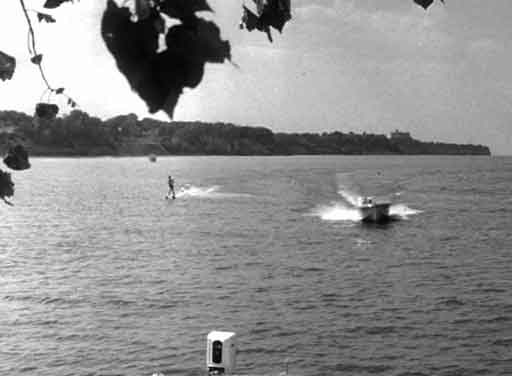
[[46, 111], [36, 59], [17, 158], [7, 66], [269, 13], [183, 9], [51, 4], [45, 17], [6, 186], [425, 3], [160, 77]]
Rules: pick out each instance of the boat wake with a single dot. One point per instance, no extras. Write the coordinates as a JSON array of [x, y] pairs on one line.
[[337, 212], [347, 210], [192, 191], [350, 197], [402, 211]]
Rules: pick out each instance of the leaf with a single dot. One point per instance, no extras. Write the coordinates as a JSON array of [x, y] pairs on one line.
[[36, 59], [159, 78], [425, 3], [7, 66], [17, 158], [45, 17], [249, 19], [270, 13], [276, 13], [6, 186], [52, 4], [60, 90], [159, 24], [183, 9], [46, 110], [142, 9]]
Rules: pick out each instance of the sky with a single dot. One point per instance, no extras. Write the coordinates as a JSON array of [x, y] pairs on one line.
[[347, 65]]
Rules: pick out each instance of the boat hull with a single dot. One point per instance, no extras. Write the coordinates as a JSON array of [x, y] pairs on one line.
[[375, 212]]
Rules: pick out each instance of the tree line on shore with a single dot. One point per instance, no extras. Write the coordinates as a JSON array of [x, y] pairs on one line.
[[81, 134]]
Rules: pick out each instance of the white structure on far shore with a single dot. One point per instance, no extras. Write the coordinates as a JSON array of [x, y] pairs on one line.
[[399, 135]]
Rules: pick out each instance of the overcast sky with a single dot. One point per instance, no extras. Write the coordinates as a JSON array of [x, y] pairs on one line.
[[347, 65]]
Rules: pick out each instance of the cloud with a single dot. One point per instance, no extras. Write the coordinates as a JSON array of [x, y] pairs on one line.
[[340, 20]]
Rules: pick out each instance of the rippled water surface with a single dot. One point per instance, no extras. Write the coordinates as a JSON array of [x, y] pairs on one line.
[[100, 275]]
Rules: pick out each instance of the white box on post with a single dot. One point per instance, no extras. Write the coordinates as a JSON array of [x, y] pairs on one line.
[[221, 352]]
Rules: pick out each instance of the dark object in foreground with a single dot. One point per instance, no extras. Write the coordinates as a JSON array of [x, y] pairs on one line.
[[46, 111], [52, 4], [17, 158], [270, 13], [7, 66], [425, 3], [159, 77], [6, 186]]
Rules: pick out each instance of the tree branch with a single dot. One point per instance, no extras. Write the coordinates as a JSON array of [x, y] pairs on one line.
[[33, 42], [36, 58]]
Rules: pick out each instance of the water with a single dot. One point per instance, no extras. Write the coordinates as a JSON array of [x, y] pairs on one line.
[[100, 275]]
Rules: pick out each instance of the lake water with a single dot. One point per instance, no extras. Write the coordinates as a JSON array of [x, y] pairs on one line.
[[100, 275]]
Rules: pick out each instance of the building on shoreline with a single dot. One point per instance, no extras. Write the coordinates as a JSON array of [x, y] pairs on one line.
[[399, 136]]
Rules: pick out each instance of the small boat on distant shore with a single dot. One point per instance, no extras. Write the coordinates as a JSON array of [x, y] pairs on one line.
[[372, 211]]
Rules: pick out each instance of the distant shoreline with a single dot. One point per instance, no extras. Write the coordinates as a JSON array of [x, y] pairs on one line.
[[259, 155], [80, 135]]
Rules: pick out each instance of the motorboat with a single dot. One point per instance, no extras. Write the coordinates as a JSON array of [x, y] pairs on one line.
[[372, 211]]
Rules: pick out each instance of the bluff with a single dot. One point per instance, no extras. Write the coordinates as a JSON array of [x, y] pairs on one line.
[[79, 134]]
